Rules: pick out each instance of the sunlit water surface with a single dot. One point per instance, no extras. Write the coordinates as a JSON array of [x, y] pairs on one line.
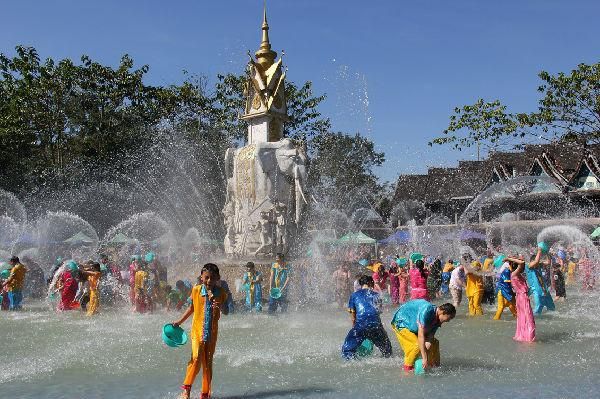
[[120, 355]]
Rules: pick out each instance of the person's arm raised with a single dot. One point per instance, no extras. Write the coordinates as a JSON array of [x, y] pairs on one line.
[[534, 263]]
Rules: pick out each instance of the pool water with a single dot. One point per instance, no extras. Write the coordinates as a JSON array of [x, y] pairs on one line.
[[119, 354]]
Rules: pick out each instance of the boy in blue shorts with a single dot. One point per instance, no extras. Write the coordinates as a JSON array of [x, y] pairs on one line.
[[364, 306]]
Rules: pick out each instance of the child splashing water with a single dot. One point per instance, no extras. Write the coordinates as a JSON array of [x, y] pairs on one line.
[[415, 324], [208, 301], [364, 307]]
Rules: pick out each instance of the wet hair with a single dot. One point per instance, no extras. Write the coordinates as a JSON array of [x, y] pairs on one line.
[[250, 265], [421, 266], [210, 268], [96, 266], [179, 283], [448, 309], [14, 259], [366, 280]]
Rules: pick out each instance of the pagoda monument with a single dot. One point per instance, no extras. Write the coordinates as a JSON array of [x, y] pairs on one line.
[[266, 178]]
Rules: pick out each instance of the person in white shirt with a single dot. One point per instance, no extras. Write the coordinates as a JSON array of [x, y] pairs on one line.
[[457, 282]]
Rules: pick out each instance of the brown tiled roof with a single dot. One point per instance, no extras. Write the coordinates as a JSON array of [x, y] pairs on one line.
[[443, 184], [561, 161], [411, 187]]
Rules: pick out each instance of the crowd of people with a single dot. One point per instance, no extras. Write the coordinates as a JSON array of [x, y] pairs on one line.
[[414, 281], [526, 284]]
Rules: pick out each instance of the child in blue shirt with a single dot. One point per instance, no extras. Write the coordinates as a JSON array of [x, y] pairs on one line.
[[506, 296], [364, 306]]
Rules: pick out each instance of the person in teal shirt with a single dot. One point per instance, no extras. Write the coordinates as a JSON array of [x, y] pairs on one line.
[[415, 324], [280, 277], [538, 289], [252, 285]]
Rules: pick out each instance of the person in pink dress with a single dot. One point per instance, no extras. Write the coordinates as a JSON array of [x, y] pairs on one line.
[[525, 322], [404, 284], [418, 281], [394, 282], [587, 271]]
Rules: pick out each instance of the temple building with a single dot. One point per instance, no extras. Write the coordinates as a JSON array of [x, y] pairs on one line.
[[443, 194]]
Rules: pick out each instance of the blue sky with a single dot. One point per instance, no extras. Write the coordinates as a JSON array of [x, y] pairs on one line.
[[392, 70]]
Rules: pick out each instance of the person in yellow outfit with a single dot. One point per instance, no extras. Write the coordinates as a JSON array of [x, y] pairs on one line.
[[15, 282], [208, 301], [415, 324], [571, 266], [475, 288], [140, 287], [93, 277]]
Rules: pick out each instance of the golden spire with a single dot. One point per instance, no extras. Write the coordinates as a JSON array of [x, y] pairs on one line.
[[265, 56]]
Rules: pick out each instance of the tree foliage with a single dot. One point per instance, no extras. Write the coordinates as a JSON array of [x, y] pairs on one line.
[[482, 122], [81, 129], [569, 109], [52, 113], [342, 164]]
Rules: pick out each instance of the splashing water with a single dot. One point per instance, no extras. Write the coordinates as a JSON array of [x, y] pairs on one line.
[[13, 218], [143, 228]]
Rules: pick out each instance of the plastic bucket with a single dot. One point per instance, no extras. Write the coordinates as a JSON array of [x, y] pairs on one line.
[[415, 256], [365, 349], [173, 336], [401, 261], [275, 293], [419, 370], [499, 260]]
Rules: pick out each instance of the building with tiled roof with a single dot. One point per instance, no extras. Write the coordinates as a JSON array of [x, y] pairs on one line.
[[573, 168]]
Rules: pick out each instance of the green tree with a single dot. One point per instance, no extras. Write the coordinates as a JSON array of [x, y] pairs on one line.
[[484, 123], [570, 106], [569, 109], [52, 113], [342, 165], [68, 128]]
